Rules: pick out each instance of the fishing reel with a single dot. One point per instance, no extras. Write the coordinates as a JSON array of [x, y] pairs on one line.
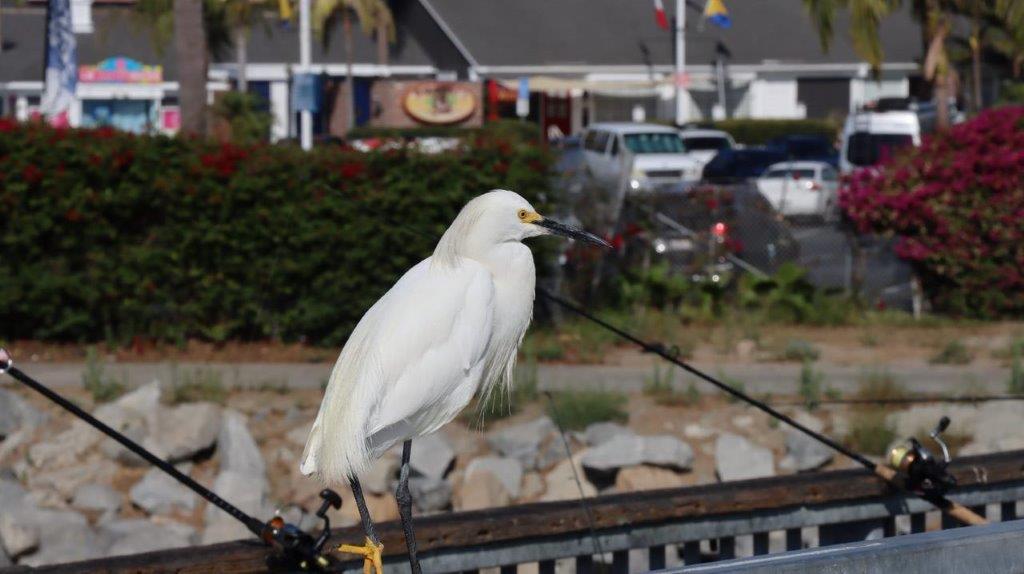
[[299, 548], [920, 470]]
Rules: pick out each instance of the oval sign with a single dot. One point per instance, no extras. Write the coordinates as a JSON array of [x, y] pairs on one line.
[[439, 102]]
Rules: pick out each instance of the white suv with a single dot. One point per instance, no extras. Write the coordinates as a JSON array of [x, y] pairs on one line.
[[702, 145], [649, 154]]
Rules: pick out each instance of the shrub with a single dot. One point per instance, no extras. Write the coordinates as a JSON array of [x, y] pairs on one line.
[[757, 132], [245, 115], [101, 387], [954, 353], [196, 385], [810, 385], [879, 386], [576, 410], [870, 433], [798, 350], [957, 205], [113, 236]]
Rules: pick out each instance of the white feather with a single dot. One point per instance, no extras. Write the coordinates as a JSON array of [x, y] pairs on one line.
[[450, 325]]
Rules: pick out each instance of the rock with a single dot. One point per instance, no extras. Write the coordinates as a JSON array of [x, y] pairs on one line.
[[551, 453], [808, 420], [188, 429], [522, 441], [379, 477], [17, 538], [736, 458], [96, 497], [507, 470], [645, 477], [64, 536], [237, 449], [246, 491], [482, 490], [16, 413], [600, 433], [804, 453], [12, 493], [66, 480], [65, 448], [430, 494], [431, 455], [625, 450], [742, 421], [158, 493], [299, 435], [137, 536], [561, 481], [533, 486], [696, 431]]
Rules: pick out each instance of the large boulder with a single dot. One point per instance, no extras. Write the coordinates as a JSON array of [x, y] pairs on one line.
[[522, 441], [803, 453], [631, 450], [736, 458], [64, 536], [238, 450], [509, 471], [16, 413], [600, 433], [247, 491], [561, 480], [17, 538], [645, 477], [379, 477], [136, 536], [65, 480], [66, 448], [188, 429], [431, 455], [97, 497], [481, 490], [158, 493], [430, 494]]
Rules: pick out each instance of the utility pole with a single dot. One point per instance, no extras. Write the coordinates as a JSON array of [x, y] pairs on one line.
[[682, 99], [305, 49]]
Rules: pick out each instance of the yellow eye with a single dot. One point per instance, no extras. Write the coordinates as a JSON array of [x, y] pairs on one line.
[[522, 214]]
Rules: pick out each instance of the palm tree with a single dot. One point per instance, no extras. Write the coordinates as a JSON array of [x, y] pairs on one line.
[[191, 56], [373, 16], [865, 18]]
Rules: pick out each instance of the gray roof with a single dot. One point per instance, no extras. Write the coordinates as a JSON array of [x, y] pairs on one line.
[[118, 32], [615, 33]]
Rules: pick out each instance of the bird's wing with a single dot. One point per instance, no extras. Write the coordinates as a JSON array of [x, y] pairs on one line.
[[410, 350]]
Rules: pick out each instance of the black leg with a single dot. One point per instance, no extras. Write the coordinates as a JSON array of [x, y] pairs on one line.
[[364, 513], [404, 499]]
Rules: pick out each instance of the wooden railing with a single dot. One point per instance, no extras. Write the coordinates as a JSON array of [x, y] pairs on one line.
[[645, 530]]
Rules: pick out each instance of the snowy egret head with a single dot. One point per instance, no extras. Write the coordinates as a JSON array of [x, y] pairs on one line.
[[501, 216]]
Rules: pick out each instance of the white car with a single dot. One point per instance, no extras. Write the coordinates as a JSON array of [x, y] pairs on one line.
[[802, 189], [702, 145], [648, 154]]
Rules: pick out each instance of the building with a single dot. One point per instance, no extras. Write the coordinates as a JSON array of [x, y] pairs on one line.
[[583, 60]]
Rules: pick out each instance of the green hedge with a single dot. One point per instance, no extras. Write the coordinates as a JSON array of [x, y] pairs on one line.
[[756, 132], [513, 130], [108, 236]]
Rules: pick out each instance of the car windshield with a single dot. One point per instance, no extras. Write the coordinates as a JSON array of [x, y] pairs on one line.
[[654, 143], [869, 149], [779, 173], [706, 143]]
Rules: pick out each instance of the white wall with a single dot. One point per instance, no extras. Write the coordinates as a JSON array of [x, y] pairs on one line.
[[773, 97], [279, 108], [864, 90]]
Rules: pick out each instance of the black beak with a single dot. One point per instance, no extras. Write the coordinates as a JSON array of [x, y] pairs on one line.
[[572, 232]]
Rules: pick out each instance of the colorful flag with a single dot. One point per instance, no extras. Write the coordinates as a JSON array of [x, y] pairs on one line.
[[61, 74], [659, 15], [715, 12]]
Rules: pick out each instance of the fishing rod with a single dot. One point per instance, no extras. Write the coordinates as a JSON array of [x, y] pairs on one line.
[[297, 547], [911, 467]]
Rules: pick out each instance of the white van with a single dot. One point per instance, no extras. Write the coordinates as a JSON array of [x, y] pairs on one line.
[[658, 155], [869, 137]]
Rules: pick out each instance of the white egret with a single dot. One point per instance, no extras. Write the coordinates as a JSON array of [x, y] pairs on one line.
[[450, 327]]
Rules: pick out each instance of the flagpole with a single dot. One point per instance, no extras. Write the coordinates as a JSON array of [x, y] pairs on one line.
[[682, 100], [305, 56]]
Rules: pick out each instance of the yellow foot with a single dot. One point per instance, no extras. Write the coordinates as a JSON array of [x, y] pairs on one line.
[[370, 552]]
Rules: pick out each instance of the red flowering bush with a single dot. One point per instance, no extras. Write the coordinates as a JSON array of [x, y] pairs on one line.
[[110, 236], [957, 204]]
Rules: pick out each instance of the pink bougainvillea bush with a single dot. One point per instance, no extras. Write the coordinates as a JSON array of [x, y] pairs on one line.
[[957, 205]]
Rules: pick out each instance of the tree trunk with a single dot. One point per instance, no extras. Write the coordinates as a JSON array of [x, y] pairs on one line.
[[242, 55], [976, 59], [190, 55], [347, 89], [382, 42]]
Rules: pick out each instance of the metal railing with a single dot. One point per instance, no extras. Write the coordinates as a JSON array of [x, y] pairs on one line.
[[646, 530]]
